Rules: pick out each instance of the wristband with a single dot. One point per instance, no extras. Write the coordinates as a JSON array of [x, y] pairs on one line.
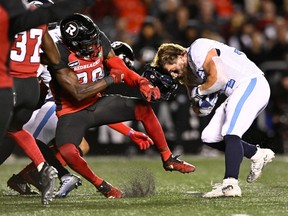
[[130, 132]]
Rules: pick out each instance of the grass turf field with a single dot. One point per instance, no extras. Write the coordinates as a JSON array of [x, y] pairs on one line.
[[175, 193]]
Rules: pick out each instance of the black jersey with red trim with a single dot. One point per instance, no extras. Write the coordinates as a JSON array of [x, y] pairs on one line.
[[86, 69]]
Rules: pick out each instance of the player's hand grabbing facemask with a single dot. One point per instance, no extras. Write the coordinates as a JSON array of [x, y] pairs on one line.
[[141, 139], [148, 90]]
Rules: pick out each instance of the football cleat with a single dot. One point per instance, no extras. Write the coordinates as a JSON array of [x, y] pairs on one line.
[[32, 177], [17, 183], [68, 183], [175, 164], [229, 188], [109, 191], [48, 176], [261, 158]]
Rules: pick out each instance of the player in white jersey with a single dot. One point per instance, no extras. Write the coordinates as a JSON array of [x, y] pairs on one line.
[[208, 68]]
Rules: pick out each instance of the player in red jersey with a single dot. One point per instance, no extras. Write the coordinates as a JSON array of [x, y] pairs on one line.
[[24, 62], [77, 84], [12, 16], [43, 126], [16, 18]]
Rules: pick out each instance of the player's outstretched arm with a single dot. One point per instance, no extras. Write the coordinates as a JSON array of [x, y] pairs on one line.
[[133, 79], [141, 139]]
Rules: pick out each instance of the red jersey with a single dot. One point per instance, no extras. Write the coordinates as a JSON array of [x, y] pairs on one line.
[[87, 70], [25, 52], [5, 79]]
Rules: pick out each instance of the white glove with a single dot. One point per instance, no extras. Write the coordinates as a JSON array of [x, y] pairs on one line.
[[207, 104], [195, 95]]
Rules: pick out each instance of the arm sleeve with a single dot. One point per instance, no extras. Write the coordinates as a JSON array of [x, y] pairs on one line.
[[27, 19], [106, 44], [121, 128], [130, 77]]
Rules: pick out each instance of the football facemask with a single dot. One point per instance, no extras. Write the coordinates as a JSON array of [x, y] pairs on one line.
[[166, 84]]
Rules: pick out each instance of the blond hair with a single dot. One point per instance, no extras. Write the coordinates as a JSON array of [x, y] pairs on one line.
[[167, 54]]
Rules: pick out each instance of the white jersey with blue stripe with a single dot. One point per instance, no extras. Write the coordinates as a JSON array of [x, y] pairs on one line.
[[236, 64], [247, 89]]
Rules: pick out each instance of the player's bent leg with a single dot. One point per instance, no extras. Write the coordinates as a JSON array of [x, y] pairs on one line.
[[145, 114], [258, 161], [71, 155]]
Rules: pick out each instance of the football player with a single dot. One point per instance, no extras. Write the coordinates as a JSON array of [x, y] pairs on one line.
[[208, 68], [24, 61], [77, 84], [16, 18], [43, 126]]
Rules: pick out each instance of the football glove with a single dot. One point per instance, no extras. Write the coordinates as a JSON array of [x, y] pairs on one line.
[[148, 90], [195, 95], [141, 139]]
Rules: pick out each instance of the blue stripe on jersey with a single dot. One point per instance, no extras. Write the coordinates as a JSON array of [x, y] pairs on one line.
[[44, 121], [240, 104]]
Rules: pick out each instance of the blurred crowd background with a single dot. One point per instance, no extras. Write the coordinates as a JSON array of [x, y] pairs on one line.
[[257, 27]]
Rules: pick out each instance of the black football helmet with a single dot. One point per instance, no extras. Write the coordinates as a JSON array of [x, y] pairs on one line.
[[166, 84], [80, 34], [125, 52]]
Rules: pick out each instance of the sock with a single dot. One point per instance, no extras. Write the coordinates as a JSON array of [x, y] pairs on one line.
[[51, 159], [40, 166], [58, 155], [28, 144], [233, 156], [71, 155], [218, 145], [249, 149], [145, 114]]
